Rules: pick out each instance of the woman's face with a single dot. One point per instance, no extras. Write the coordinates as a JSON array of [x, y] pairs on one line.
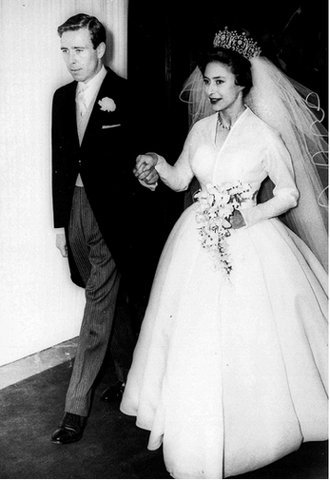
[[220, 86]]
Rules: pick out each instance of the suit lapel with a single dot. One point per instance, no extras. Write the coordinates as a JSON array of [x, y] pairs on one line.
[[97, 115], [69, 106], [94, 118]]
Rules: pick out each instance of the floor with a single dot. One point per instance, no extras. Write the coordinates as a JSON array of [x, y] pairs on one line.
[[31, 405], [112, 446]]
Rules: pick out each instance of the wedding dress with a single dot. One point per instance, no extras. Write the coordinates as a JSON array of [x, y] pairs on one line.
[[230, 369]]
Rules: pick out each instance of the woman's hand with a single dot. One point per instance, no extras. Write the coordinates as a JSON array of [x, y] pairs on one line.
[[236, 220], [145, 168]]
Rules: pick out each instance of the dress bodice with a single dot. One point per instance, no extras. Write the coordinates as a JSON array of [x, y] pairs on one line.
[[240, 158], [251, 152]]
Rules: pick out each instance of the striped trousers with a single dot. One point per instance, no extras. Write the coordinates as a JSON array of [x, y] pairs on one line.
[[102, 314]]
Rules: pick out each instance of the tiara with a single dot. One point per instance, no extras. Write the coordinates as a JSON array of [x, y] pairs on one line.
[[240, 43]]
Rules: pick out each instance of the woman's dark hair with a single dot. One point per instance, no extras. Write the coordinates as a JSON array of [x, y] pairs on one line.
[[95, 27], [240, 66]]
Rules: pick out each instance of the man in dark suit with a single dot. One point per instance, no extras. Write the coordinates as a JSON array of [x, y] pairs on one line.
[[94, 196]]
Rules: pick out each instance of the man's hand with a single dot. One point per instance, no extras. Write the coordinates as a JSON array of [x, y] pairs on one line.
[[151, 176], [61, 244], [145, 168]]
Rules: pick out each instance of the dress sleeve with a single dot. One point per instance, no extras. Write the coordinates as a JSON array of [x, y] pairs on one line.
[[278, 166], [178, 176]]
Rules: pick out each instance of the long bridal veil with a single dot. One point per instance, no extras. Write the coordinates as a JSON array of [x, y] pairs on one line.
[[294, 111]]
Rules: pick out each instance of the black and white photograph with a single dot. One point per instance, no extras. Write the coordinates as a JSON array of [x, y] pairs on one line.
[[164, 239]]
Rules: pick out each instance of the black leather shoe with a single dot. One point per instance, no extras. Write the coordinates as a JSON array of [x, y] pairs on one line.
[[70, 429], [113, 393]]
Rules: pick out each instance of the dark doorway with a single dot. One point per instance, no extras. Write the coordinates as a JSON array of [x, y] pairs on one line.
[[164, 37]]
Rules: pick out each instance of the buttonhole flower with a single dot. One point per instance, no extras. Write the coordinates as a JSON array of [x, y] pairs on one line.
[[107, 104]]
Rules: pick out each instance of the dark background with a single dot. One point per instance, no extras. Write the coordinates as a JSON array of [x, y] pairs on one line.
[[164, 37]]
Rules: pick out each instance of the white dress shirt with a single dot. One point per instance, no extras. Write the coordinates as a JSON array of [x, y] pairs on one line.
[[88, 92]]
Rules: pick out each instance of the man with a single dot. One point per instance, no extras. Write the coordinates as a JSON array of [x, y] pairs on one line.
[[94, 193]]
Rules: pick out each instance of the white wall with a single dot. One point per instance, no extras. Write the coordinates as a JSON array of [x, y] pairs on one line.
[[39, 306]]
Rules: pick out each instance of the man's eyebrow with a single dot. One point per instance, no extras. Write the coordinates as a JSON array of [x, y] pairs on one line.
[[66, 48]]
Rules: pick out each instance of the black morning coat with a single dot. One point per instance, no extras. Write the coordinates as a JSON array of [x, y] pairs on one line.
[[107, 157]]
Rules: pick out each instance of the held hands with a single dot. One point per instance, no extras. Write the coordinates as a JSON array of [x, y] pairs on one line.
[[146, 173], [144, 169], [61, 244]]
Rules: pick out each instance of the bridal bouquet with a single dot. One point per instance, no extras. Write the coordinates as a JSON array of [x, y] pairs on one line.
[[214, 206]]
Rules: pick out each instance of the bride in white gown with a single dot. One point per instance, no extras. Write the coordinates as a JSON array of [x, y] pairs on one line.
[[230, 369]]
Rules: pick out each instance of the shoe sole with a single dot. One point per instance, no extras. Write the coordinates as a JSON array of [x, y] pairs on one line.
[[59, 442]]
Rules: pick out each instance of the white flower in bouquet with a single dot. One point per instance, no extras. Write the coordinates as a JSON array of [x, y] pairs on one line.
[[214, 207]]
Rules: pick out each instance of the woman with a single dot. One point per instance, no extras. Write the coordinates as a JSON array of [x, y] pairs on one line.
[[229, 371]]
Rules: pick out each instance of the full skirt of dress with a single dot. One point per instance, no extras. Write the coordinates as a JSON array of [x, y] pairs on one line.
[[229, 374]]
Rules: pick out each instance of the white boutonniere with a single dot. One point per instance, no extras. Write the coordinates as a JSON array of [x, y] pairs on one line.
[[107, 104]]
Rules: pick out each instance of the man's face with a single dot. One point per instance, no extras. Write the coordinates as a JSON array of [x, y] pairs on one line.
[[82, 60]]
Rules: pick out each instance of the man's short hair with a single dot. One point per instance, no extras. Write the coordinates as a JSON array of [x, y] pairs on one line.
[[82, 20]]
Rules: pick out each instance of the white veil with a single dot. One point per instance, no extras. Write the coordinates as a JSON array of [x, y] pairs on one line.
[[293, 110]]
